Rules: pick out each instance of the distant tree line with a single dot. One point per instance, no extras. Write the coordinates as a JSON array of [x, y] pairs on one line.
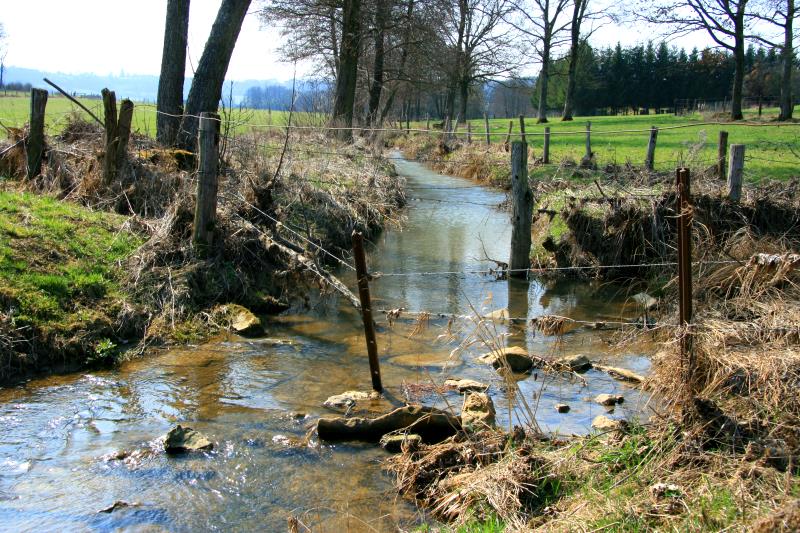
[[652, 77]]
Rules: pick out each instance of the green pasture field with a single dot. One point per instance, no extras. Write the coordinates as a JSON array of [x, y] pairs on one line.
[[772, 148], [15, 112]]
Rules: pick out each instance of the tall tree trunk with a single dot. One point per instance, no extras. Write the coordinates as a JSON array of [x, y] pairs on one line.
[[206, 88], [345, 95], [787, 56], [463, 87], [738, 56], [377, 68], [544, 76], [578, 12], [173, 67]]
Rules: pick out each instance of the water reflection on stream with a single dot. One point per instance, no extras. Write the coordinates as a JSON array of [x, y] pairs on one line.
[[244, 393]]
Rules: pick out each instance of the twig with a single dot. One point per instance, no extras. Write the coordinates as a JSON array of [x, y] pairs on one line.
[[62, 91]]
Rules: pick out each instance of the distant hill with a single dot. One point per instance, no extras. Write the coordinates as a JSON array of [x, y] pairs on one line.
[[137, 87]]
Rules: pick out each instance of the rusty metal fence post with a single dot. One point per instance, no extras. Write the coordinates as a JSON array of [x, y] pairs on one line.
[[366, 310]]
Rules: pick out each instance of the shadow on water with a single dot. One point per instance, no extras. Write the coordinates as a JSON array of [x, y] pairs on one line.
[[255, 397]]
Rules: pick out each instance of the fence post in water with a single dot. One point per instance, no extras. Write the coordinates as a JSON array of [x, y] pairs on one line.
[[521, 211], [684, 210], [366, 310], [486, 128], [722, 154], [588, 140], [736, 172], [34, 145], [205, 212], [546, 148], [650, 160], [522, 129]]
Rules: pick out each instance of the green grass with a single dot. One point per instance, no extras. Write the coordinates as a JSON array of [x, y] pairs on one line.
[[15, 112], [60, 263], [766, 154]]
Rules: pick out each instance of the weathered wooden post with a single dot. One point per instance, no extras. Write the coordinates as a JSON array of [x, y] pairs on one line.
[[546, 149], [684, 210], [428, 121], [522, 129], [454, 133], [469, 132], [650, 160], [722, 154], [205, 212], [366, 310], [110, 127], [486, 129], [408, 123], [588, 140], [508, 135], [736, 172], [521, 211], [123, 133], [34, 145]]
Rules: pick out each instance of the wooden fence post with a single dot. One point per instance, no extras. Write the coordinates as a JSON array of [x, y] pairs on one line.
[[546, 149], [34, 145], [205, 212], [522, 129], [650, 160], [722, 154], [110, 126], [428, 121], [123, 133], [736, 172], [508, 135], [521, 211], [684, 210], [486, 128], [588, 140], [366, 310], [469, 132]]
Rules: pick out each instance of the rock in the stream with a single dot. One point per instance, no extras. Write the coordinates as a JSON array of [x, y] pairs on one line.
[[515, 357], [604, 423], [181, 440], [431, 424], [349, 398], [562, 408], [574, 363], [400, 442], [466, 385], [477, 411], [119, 504], [243, 322], [499, 315], [609, 400], [622, 374]]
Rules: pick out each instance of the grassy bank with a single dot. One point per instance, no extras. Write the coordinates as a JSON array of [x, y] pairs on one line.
[[87, 267], [61, 278]]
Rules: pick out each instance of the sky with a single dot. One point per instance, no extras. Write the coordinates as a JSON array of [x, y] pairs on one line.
[[72, 37]]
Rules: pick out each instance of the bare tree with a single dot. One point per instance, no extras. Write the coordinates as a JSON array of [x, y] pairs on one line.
[[173, 67], [780, 13], [347, 73], [206, 88], [725, 21], [579, 15], [479, 45], [542, 21]]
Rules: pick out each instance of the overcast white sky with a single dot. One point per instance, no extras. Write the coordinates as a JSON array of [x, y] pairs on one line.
[[76, 37]]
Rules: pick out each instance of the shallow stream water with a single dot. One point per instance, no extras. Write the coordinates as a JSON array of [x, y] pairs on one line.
[[257, 398]]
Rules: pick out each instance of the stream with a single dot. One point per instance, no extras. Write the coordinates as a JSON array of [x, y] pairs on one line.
[[257, 398]]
